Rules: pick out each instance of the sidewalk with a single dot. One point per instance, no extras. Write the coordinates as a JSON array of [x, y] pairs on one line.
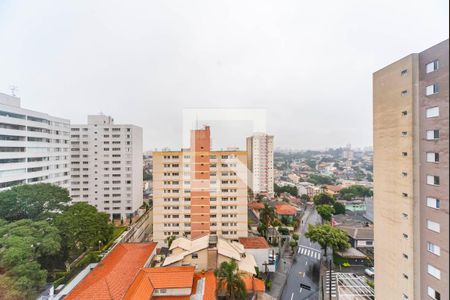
[[280, 276]]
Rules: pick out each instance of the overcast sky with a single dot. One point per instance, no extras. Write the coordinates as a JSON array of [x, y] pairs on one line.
[[308, 63]]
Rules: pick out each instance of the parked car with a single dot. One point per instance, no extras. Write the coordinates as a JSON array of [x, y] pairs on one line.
[[370, 271]]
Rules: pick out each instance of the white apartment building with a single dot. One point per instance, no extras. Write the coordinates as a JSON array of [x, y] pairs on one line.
[[34, 147], [106, 166], [260, 163]]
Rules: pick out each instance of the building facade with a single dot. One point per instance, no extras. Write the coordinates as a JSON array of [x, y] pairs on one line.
[[34, 147], [199, 191], [106, 166], [411, 127], [260, 163]]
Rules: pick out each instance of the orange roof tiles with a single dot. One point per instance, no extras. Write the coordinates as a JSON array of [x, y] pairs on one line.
[[150, 279], [110, 279], [256, 242], [285, 209], [256, 205], [210, 285], [254, 284]]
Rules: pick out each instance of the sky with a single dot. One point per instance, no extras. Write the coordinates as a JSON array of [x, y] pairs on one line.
[[307, 64]]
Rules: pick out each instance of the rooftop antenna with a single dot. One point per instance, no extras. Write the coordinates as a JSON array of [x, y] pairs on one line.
[[13, 89]]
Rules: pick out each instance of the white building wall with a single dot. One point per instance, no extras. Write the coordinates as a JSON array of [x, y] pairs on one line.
[[106, 166], [34, 146]]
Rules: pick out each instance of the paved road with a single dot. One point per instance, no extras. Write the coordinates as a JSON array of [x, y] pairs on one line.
[[306, 269]]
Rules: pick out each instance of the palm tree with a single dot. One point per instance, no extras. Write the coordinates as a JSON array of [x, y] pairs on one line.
[[267, 215], [229, 280]]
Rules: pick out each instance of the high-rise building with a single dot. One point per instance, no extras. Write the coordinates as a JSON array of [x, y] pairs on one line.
[[260, 163], [199, 191], [106, 166], [411, 183], [34, 147]]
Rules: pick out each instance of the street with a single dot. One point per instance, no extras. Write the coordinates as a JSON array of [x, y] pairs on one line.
[[303, 279]]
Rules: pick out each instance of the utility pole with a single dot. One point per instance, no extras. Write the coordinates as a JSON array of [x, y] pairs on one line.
[[329, 279]]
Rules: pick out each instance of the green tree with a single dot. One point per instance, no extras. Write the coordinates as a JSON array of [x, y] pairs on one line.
[[33, 201], [147, 176], [328, 236], [267, 215], [82, 227], [305, 197], [170, 240], [292, 244], [339, 208], [325, 211], [353, 191], [22, 244], [321, 179], [295, 236], [229, 280], [323, 198], [283, 230]]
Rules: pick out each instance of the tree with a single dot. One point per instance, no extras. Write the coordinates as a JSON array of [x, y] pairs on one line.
[[339, 208], [292, 244], [295, 236], [147, 176], [229, 280], [323, 198], [22, 244], [328, 236], [283, 230], [267, 215], [170, 240], [82, 227], [305, 197], [285, 189], [33, 201], [353, 191], [321, 179], [325, 211]]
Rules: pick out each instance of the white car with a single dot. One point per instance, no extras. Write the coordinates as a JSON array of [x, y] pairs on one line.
[[370, 271]]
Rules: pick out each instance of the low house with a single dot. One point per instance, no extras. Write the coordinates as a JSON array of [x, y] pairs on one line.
[[360, 237], [208, 252], [261, 250], [283, 210], [175, 283], [331, 189], [256, 207], [118, 269]]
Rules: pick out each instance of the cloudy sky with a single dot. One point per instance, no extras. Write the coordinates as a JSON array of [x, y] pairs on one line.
[[308, 64]]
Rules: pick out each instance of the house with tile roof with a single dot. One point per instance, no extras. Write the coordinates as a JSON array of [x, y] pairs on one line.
[[261, 250], [112, 276], [285, 210], [208, 252]]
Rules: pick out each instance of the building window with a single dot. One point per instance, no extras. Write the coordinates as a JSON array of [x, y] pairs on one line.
[[433, 226], [433, 271], [404, 113], [433, 202], [404, 93], [435, 249], [194, 255], [432, 157], [432, 112], [432, 66], [432, 89], [433, 134], [434, 294], [433, 180], [404, 153], [404, 72]]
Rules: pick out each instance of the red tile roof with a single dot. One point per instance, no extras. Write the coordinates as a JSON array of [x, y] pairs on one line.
[[210, 285], [254, 284], [256, 205], [110, 279], [285, 210], [150, 279], [256, 242]]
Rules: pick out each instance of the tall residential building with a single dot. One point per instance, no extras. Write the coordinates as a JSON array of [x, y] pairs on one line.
[[260, 163], [34, 147], [199, 191], [106, 166], [411, 183]]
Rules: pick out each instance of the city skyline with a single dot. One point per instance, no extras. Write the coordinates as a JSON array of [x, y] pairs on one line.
[[163, 58]]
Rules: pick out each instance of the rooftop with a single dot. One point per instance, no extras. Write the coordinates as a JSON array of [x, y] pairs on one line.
[[111, 278], [256, 242], [285, 209]]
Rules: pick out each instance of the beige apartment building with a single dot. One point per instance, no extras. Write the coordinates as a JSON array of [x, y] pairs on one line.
[[411, 183], [106, 166], [199, 191]]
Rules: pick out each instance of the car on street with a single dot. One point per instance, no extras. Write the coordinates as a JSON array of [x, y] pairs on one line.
[[370, 271]]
